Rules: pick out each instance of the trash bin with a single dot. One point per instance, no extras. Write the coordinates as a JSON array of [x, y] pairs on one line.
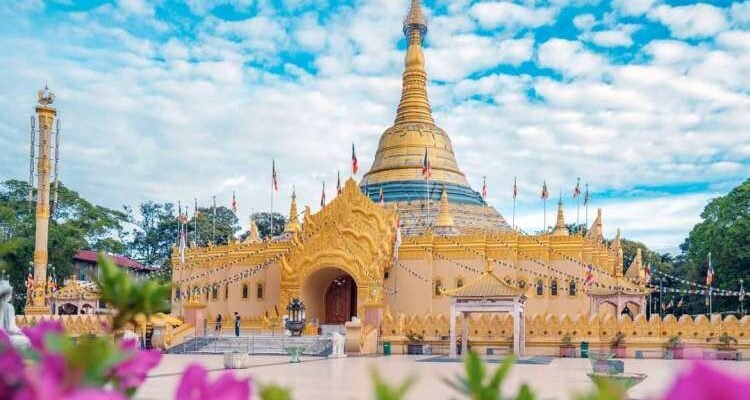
[[584, 349], [386, 348]]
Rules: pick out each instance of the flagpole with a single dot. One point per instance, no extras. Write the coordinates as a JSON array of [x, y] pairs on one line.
[[213, 223], [273, 172], [195, 222], [544, 227]]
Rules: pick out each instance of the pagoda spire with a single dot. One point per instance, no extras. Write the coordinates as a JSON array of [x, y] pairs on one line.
[[414, 105], [292, 225], [444, 218], [560, 228], [254, 236]]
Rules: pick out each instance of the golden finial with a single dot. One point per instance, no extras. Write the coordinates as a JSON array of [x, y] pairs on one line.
[[444, 218], [560, 228], [595, 232], [254, 236], [415, 19], [293, 224]]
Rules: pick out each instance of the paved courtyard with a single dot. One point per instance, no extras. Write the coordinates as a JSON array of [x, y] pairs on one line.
[[349, 378]]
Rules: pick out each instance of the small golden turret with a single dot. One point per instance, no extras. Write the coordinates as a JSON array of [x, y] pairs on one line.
[[560, 228], [254, 236], [292, 225], [617, 249], [635, 269], [595, 232], [444, 218]]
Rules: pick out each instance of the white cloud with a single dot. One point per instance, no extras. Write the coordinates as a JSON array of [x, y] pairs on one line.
[[461, 55], [570, 58], [612, 38], [632, 7], [137, 7], [584, 22], [693, 21], [510, 15], [740, 12]]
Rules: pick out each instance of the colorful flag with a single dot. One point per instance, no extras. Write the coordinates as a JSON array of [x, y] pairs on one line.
[[671, 304], [586, 196], [680, 303], [355, 164], [515, 188], [484, 187], [338, 182], [545, 191], [426, 168], [577, 190], [323, 196], [382, 196], [710, 272], [234, 203], [648, 273], [589, 276], [274, 178], [30, 285]]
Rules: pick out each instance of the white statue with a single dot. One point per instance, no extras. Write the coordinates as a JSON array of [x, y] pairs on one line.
[[8, 317], [338, 341]]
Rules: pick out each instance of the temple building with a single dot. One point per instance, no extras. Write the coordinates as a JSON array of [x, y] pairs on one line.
[[431, 242]]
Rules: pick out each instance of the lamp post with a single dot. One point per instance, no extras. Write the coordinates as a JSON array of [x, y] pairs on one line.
[[296, 322]]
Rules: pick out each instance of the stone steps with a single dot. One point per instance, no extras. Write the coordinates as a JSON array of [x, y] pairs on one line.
[[255, 344]]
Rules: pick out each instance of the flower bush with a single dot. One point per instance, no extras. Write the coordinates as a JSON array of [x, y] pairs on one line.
[[59, 367]]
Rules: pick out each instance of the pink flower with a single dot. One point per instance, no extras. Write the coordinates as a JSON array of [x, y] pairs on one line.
[[195, 386], [704, 382], [38, 334], [51, 380], [131, 372], [11, 367]]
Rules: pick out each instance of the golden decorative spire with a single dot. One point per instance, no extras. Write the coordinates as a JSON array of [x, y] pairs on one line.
[[595, 232], [635, 269], [617, 249], [560, 228], [414, 105], [254, 236], [402, 146], [292, 225], [444, 218]]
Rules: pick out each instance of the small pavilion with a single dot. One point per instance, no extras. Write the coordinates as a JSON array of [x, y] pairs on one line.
[[483, 295]]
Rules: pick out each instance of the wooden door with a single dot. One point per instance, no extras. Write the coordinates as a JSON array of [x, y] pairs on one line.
[[339, 300]]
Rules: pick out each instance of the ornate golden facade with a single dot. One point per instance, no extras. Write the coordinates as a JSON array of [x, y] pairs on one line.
[[574, 284]]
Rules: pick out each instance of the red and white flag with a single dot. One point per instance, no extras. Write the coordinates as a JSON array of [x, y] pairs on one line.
[[586, 197], [355, 164], [183, 245], [484, 187], [515, 188], [648, 273], [577, 189], [545, 191], [397, 241], [234, 203], [382, 197], [710, 272], [426, 167], [589, 277], [274, 177]]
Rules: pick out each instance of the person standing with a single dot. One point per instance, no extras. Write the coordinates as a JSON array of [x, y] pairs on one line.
[[236, 324], [217, 328]]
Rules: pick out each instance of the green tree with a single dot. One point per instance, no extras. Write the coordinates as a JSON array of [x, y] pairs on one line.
[[226, 224], [154, 234], [263, 220], [724, 231], [76, 224]]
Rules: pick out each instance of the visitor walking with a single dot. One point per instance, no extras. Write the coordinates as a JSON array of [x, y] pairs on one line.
[[217, 328], [236, 324]]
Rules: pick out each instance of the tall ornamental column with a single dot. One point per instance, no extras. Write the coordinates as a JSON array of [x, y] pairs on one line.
[[46, 115]]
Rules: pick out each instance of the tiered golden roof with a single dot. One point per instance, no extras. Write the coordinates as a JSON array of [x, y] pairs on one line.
[[292, 225], [560, 228], [445, 218], [487, 284]]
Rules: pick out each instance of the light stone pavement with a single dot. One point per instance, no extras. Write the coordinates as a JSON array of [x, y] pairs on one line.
[[349, 378]]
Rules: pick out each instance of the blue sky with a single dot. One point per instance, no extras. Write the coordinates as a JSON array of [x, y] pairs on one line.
[[645, 100]]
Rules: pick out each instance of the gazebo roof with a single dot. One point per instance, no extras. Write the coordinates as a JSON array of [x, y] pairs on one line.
[[487, 284], [75, 290]]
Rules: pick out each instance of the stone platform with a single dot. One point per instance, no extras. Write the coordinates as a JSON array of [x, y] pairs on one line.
[[254, 344]]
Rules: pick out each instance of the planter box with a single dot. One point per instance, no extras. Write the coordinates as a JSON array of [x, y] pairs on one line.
[[727, 354], [567, 351], [620, 352], [675, 353], [236, 360], [414, 348]]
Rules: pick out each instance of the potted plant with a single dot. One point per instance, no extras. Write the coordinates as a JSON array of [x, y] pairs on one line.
[[675, 348], [727, 347], [567, 348], [416, 341], [617, 344]]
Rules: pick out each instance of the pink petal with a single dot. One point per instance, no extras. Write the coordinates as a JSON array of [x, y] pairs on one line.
[[38, 334]]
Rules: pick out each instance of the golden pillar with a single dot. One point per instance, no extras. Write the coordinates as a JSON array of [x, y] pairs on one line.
[[46, 117]]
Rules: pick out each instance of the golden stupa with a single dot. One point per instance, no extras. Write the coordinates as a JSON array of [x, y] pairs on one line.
[[398, 165]]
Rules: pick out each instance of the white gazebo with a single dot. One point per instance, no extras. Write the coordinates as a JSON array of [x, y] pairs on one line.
[[486, 294]]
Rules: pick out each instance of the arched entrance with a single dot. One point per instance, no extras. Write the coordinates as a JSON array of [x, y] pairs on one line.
[[330, 295]]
